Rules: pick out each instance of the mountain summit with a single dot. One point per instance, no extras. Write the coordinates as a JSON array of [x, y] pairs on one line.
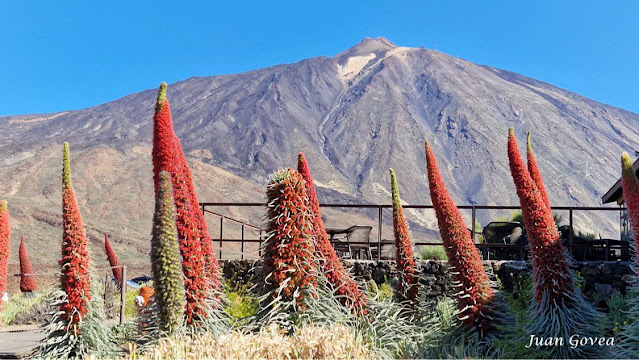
[[354, 115]]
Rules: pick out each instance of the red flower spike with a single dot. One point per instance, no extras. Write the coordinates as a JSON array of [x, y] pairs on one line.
[[5, 247], [345, 287], [288, 251], [535, 174], [114, 260], [474, 295], [408, 284], [548, 258], [211, 263], [169, 156], [630, 186], [27, 280], [75, 279]]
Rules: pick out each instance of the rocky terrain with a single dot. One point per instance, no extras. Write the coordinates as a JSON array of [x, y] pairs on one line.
[[354, 115]]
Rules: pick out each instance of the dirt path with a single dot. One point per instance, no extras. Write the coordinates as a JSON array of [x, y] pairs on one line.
[[16, 342]]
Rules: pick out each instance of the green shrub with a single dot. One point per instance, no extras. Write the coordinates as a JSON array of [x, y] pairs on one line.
[[240, 302], [380, 292], [20, 305], [433, 252]]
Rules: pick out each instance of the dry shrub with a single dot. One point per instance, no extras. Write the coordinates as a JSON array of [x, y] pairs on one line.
[[311, 342]]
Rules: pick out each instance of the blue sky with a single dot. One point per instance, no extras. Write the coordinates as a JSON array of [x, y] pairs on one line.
[[56, 57]]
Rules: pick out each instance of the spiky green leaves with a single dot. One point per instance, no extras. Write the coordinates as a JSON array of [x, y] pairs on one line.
[[75, 279], [165, 260], [5, 246], [408, 280]]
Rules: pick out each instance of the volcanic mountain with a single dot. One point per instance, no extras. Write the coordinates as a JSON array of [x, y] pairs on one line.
[[354, 115]]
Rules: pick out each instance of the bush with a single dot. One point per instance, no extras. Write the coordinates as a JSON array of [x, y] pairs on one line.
[[24, 309], [241, 303], [433, 252]]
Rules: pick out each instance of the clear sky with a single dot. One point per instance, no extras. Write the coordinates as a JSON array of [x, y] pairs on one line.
[[60, 55]]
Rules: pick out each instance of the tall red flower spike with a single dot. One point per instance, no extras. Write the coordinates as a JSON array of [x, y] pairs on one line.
[[408, 284], [166, 157], [114, 260], [474, 296], [27, 280], [211, 263], [288, 262], [535, 174], [549, 261], [344, 286], [630, 186], [75, 279], [5, 247]]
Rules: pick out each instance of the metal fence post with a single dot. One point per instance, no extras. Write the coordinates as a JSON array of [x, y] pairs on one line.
[[570, 232], [379, 234], [472, 231], [122, 295], [242, 244], [221, 235]]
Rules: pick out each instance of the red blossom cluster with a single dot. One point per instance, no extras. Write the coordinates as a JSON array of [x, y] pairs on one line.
[[27, 280], [474, 294], [211, 264], [549, 261], [5, 246], [345, 287], [408, 284], [289, 248], [75, 279], [535, 174], [169, 156], [630, 186], [114, 260]]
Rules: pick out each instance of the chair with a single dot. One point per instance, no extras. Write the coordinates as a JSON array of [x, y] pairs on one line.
[[358, 238]]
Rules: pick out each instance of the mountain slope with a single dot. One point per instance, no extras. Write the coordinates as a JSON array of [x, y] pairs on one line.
[[354, 115]]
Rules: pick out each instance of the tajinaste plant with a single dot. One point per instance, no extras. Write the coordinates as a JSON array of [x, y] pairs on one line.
[[5, 247], [28, 283], [628, 339], [408, 276], [75, 279], [559, 309], [288, 250], [475, 297], [114, 260], [166, 158], [345, 287]]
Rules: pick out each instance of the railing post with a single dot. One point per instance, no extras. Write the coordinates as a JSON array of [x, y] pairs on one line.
[[242, 244], [570, 231], [379, 233], [221, 235], [472, 232], [122, 295]]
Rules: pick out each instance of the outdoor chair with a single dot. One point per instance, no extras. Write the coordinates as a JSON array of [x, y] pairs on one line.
[[358, 238]]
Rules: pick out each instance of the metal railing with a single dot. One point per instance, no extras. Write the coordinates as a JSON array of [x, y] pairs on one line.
[[484, 247]]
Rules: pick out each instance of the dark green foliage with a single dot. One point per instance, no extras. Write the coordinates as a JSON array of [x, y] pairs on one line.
[[165, 260]]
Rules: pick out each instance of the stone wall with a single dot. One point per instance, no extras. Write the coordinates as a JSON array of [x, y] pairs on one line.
[[600, 277]]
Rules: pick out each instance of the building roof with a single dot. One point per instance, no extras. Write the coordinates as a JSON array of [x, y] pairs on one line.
[[615, 194]]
